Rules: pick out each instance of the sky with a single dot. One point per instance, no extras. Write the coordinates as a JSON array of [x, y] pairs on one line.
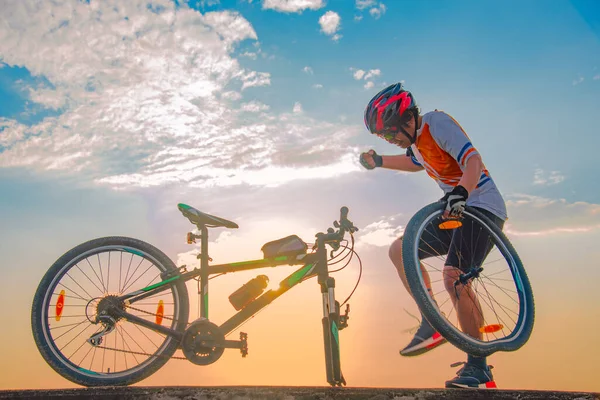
[[112, 112]]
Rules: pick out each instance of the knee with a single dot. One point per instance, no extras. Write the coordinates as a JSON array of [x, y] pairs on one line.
[[395, 251]]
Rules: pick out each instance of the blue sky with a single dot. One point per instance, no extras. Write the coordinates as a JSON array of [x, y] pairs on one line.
[[111, 113]]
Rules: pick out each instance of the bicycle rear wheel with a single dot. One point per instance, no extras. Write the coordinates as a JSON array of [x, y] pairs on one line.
[[75, 290], [496, 292]]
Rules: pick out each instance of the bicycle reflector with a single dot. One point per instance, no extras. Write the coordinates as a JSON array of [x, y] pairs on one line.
[[450, 224], [60, 304], [160, 312], [491, 328]]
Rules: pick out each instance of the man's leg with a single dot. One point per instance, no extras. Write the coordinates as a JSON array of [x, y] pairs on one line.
[[426, 338], [463, 255], [468, 308]]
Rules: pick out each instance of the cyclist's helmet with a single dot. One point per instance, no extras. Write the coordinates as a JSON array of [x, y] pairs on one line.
[[385, 110]]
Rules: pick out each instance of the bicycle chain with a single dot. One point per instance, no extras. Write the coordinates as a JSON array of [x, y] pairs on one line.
[[139, 352]]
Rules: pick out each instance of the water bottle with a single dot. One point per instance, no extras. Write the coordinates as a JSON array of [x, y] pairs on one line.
[[248, 292]]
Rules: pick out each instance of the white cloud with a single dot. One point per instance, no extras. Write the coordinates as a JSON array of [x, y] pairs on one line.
[[250, 55], [372, 73], [541, 178], [596, 77], [317, 86], [381, 233], [578, 81], [330, 24], [292, 6], [231, 95], [254, 106], [253, 78], [209, 3], [377, 12], [537, 216], [297, 108], [308, 70], [358, 17], [358, 74], [362, 4], [146, 99]]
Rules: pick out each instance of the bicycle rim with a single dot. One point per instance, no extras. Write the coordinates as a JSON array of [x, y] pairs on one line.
[[73, 297], [499, 296]]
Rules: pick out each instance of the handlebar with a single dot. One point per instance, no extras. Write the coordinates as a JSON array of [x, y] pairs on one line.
[[332, 237]]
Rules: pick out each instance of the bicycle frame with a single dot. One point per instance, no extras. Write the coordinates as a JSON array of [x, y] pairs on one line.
[[313, 264]]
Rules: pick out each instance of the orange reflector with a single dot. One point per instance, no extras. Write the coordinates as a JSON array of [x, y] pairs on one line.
[[160, 311], [60, 304], [450, 224], [491, 328]]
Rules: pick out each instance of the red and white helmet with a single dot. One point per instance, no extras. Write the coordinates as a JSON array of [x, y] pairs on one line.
[[385, 110]]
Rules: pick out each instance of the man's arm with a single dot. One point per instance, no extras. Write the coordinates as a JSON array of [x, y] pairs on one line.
[[472, 173], [400, 162], [405, 162]]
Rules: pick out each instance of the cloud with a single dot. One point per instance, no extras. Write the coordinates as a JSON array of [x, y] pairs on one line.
[[358, 74], [292, 6], [317, 86], [381, 233], [376, 9], [362, 4], [209, 3], [372, 73], [537, 216], [330, 24], [253, 79], [377, 12], [146, 99], [297, 108], [250, 55], [541, 178], [578, 81], [308, 70], [596, 77], [231, 95], [254, 106]]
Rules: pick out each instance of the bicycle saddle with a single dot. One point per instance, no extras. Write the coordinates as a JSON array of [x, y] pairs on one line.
[[197, 217]]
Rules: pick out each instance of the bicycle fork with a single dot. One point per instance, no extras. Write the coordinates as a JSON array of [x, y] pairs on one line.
[[332, 324]]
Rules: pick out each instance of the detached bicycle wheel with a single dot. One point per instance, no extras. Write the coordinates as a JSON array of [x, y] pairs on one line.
[[85, 283], [485, 304]]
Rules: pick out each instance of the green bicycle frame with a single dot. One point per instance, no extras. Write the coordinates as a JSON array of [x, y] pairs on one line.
[[313, 264]]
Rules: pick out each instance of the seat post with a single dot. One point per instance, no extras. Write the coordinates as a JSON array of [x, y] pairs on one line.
[[203, 271]]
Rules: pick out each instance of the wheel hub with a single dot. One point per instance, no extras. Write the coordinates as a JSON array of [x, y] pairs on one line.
[[109, 303]]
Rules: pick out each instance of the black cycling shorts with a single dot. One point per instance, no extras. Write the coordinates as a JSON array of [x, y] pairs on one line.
[[465, 247]]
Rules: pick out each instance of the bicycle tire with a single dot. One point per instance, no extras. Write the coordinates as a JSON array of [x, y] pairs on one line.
[[525, 322], [48, 348]]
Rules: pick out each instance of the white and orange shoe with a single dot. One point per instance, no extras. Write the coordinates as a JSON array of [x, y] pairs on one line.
[[472, 377], [426, 338]]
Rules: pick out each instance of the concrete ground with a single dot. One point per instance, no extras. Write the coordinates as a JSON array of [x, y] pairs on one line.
[[287, 393]]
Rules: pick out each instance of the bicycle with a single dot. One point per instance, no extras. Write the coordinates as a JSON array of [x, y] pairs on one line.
[[503, 327], [156, 308]]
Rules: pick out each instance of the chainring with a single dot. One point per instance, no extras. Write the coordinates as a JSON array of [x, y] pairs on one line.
[[200, 342]]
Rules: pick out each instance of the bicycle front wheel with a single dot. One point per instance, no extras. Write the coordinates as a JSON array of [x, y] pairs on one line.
[[484, 303], [84, 283]]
